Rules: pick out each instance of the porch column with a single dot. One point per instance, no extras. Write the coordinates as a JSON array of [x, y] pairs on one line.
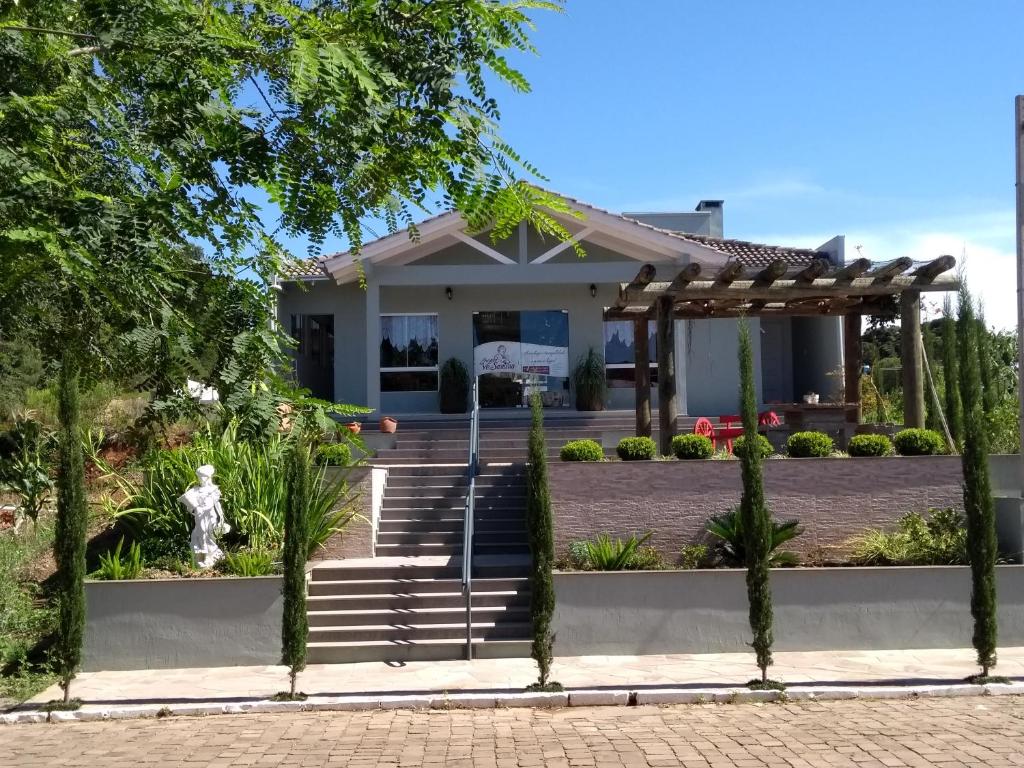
[[373, 344], [853, 360], [910, 351], [666, 375], [642, 377]]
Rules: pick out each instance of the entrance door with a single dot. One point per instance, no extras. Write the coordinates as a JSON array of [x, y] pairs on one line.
[[314, 353], [516, 353]]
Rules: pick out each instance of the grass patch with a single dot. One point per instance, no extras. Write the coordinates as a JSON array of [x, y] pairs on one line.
[[59, 705], [766, 685], [26, 616], [980, 679], [551, 687], [286, 696]]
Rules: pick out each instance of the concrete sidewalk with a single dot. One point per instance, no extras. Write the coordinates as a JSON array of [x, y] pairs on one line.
[[715, 672]]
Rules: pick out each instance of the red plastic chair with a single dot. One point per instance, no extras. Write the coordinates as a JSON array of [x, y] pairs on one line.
[[706, 428]]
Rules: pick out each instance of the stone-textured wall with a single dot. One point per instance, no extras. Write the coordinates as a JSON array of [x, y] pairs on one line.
[[833, 499], [357, 538]]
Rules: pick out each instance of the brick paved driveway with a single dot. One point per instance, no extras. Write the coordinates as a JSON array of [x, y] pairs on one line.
[[939, 732]]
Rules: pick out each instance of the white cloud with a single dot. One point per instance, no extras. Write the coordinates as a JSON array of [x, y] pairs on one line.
[[987, 239]]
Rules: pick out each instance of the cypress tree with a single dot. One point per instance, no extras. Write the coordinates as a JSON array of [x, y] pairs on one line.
[[540, 527], [978, 505], [70, 533], [989, 396], [951, 375], [295, 623], [756, 519]]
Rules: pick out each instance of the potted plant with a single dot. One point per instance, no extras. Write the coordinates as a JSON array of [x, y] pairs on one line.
[[354, 427], [454, 386], [388, 425], [588, 380]]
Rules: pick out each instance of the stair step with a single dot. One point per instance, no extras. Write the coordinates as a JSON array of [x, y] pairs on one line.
[[404, 587], [417, 616], [418, 550], [419, 600], [484, 630], [418, 650]]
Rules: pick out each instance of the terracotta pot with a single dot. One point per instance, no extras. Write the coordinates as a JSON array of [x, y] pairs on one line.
[[388, 425], [354, 427]]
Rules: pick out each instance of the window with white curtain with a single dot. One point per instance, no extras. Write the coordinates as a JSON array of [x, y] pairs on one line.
[[408, 353]]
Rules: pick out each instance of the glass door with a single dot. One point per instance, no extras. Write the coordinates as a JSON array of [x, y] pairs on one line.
[[517, 353]]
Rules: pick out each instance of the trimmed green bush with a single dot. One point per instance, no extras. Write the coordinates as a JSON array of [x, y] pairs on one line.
[[582, 450], [334, 454], [809, 445], [453, 389], [870, 445], [636, 449], [919, 442], [692, 447], [739, 446]]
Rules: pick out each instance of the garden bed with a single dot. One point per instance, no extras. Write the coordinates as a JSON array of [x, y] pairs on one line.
[[174, 623], [705, 611], [834, 499]]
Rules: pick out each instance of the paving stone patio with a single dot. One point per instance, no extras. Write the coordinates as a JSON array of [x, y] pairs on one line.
[[949, 732]]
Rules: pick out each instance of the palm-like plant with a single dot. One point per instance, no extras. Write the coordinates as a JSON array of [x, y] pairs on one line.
[[729, 529], [607, 554]]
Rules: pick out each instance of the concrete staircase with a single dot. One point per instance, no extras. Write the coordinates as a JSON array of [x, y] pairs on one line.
[[403, 609]]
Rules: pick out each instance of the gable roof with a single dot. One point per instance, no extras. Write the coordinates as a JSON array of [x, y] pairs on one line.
[[718, 249]]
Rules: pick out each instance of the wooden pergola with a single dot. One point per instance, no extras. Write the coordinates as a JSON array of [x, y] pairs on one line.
[[817, 289]]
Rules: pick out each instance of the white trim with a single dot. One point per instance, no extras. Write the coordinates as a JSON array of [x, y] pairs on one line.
[[552, 252], [484, 249], [410, 369], [620, 366]]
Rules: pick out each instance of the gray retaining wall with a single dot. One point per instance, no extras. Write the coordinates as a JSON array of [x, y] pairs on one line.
[[173, 623], [629, 613]]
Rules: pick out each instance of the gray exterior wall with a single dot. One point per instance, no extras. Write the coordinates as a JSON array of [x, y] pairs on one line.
[[182, 623], [707, 367], [816, 609], [348, 305]]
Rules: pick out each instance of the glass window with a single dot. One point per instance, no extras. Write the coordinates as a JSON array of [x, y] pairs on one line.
[[620, 352], [408, 353]]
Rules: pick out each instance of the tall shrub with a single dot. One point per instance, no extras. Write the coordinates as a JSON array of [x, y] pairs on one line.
[[295, 624], [69, 537], [540, 526], [989, 393], [951, 375], [981, 524], [754, 514]]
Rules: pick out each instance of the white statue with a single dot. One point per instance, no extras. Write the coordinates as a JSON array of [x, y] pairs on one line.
[[203, 501]]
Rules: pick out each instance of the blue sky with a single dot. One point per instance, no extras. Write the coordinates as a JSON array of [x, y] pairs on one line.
[[891, 123]]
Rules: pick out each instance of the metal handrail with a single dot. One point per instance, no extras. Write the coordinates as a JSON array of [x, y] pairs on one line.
[[472, 470]]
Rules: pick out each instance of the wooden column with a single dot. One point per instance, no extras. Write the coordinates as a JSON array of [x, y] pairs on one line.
[[642, 377], [853, 360], [667, 407], [910, 351]]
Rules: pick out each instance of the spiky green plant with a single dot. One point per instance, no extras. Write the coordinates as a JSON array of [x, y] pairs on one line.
[[295, 625], [951, 375], [978, 504], [69, 539], [540, 526], [754, 514]]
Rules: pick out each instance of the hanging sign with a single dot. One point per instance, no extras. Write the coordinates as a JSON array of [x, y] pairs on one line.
[[517, 357]]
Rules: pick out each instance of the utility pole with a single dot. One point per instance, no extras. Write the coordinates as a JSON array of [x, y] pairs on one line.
[[1018, 131]]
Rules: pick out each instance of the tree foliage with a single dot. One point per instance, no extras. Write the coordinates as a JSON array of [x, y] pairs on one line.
[[951, 376], [978, 504], [754, 514], [540, 527], [69, 537], [295, 622]]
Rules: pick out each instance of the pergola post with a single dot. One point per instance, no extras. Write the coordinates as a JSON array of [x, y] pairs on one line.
[[853, 360], [910, 351], [667, 407], [642, 377]]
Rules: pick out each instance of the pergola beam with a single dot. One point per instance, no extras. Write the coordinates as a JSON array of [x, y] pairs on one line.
[[772, 272], [638, 284], [934, 268], [890, 269], [812, 271], [852, 270], [730, 273], [686, 275]]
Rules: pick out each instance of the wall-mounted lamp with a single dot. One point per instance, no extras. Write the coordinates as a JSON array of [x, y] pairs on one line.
[[593, 290], [449, 292]]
